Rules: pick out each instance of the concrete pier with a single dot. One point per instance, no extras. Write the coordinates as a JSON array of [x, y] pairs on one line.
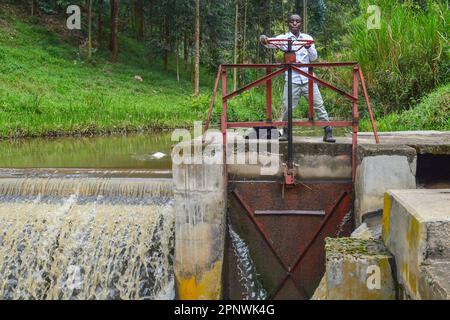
[[315, 159], [200, 208], [381, 167], [416, 229], [359, 269]]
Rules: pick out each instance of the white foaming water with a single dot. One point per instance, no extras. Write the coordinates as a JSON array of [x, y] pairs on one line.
[[107, 240], [248, 277]]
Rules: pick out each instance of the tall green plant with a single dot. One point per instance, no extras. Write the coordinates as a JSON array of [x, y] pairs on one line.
[[408, 56]]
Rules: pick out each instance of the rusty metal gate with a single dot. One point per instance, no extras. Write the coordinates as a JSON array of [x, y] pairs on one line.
[[286, 236]]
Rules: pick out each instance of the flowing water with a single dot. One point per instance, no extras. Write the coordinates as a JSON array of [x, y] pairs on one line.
[[248, 276], [92, 218], [86, 238]]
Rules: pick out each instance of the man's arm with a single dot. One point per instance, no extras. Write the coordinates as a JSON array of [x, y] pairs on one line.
[[312, 52], [265, 42]]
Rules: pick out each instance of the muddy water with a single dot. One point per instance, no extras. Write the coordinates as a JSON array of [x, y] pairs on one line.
[[144, 154], [87, 218]]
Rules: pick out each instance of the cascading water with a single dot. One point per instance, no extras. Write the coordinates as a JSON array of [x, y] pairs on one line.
[[248, 277], [86, 239]]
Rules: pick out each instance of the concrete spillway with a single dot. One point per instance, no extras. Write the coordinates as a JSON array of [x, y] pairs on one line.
[[285, 228], [217, 231]]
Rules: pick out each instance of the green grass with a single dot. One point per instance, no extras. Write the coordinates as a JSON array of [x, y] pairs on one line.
[[432, 113], [47, 88]]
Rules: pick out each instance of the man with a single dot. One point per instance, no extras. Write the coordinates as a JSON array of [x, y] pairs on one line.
[[299, 82]]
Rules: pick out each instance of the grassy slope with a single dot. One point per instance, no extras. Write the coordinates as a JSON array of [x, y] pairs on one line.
[[45, 89]]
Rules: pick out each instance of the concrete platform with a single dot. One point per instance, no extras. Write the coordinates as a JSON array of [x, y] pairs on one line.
[[320, 160], [434, 142], [435, 280], [416, 229]]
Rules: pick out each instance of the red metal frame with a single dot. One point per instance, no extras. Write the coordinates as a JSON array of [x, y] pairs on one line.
[[267, 81]]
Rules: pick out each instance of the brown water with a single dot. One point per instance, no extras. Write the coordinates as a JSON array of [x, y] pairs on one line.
[[116, 154], [86, 218]]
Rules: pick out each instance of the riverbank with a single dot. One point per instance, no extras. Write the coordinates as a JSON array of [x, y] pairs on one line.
[[47, 87]]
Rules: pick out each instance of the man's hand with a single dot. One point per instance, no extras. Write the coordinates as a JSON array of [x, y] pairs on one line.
[[264, 39]]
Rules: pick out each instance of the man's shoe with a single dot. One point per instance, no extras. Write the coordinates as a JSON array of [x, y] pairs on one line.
[[328, 136], [284, 136]]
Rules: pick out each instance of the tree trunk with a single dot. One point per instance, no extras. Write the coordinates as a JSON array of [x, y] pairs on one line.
[[192, 70], [235, 54], [133, 15], [185, 50], [166, 43], [100, 24], [243, 44], [34, 7], [197, 49], [90, 29], [178, 60], [268, 27], [305, 16], [114, 29], [150, 14], [244, 38], [140, 19], [166, 60]]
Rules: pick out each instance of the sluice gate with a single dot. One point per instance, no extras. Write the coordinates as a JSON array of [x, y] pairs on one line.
[[286, 235], [284, 219]]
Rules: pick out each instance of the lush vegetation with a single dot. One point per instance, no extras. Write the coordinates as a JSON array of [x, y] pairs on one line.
[[408, 56], [433, 113], [59, 82], [48, 88]]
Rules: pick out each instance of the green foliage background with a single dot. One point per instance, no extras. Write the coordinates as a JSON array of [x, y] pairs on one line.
[[49, 87]]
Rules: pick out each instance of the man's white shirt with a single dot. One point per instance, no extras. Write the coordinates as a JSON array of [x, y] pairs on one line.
[[303, 55]]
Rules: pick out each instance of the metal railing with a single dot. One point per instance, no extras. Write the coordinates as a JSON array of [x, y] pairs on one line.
[[274, 70]]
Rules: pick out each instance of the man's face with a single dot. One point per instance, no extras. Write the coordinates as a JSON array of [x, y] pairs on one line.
[[294, 23]]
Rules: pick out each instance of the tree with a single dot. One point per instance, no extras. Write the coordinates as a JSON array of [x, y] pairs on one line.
[[197, 49], [235, 54], [90, 29], [114, 29], [34, 7], [140, 19], [100, 22]]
